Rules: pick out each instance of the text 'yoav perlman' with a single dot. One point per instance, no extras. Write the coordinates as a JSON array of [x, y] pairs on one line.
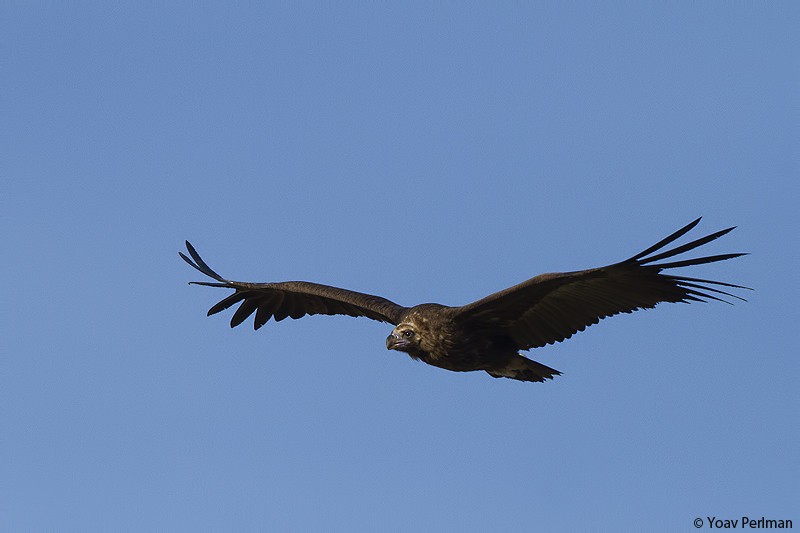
[[744, 522]]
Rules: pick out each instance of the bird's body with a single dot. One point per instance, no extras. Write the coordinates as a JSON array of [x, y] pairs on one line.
[[489, 334], [449, 343]]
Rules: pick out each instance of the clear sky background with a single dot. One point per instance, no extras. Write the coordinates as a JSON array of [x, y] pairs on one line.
[[421, 152]]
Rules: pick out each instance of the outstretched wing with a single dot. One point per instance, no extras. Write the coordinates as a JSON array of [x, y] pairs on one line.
[[552, 307], [292, 299]]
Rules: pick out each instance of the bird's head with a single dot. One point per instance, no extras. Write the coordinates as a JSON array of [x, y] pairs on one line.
[[404, 338]]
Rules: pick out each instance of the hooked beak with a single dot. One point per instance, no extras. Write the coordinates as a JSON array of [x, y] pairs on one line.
[[392, 341]]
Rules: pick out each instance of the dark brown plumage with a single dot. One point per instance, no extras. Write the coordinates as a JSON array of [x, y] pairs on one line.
[[489, 333]]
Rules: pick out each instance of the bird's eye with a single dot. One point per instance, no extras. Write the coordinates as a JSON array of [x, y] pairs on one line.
[[407, 333]]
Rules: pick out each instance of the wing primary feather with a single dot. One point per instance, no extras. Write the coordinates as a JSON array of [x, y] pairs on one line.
[[279, 307], [191, 263], [686, 247], [684, 278], [699, 261], [712, 289], [665, 241], [245, 310], [263, 314], [199, 264], [225, 303], [704, 295], [225, 285]]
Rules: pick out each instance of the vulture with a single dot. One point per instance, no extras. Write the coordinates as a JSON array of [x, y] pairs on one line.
[[488, 334]]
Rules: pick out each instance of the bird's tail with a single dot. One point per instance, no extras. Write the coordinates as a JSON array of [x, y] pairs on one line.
[[523, 369]]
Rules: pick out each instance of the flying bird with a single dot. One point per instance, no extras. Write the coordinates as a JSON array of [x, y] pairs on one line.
[[488, 334]]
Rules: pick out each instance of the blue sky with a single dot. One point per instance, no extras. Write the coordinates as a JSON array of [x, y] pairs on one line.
[[424, 153]]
